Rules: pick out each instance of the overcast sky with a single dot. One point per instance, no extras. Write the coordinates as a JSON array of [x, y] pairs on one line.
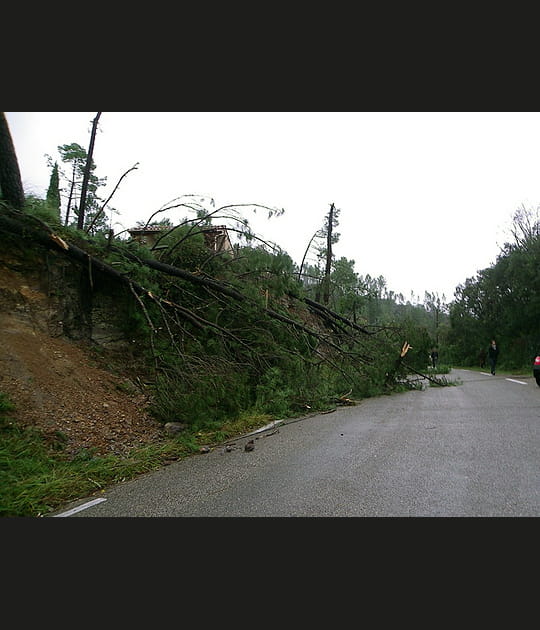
[[426, 198]]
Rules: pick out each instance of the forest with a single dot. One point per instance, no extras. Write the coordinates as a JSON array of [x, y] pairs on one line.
[[501, 302]]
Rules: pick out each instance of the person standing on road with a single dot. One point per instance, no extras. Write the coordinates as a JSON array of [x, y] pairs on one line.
[[493, 354], [434, 357]]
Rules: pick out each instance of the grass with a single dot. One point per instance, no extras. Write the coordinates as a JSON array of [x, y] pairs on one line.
[[36, 478], [439, 369]]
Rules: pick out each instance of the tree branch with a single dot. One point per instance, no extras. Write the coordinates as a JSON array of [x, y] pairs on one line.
[[100, 211]]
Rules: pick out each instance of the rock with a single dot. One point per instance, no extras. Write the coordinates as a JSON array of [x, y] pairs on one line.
[[173, 428]]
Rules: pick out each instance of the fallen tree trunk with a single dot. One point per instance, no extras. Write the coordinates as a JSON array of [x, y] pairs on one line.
[[46, 237], [325, 312], [436, 381]]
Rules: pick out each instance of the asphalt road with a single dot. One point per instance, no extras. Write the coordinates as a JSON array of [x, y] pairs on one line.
[[469, 450]]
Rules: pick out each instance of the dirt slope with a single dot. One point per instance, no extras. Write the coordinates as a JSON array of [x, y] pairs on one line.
[[58, 387]]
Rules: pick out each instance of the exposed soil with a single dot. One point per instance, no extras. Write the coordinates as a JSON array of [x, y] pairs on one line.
[[55, 387], [59, 387]]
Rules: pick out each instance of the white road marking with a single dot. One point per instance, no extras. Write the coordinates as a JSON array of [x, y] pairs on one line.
[[508, 379], [81, 507], [273, 424]]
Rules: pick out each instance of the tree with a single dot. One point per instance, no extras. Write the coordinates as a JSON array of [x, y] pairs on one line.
[[11, 186], [332, 237], [501, 302], [435, 304], [75, 155], [468, 321], [346, 299], [53, 192], [525, 226], [86, 175]]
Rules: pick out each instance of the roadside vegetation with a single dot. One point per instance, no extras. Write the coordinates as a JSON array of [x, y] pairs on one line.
[[36, 477], [501, 302]]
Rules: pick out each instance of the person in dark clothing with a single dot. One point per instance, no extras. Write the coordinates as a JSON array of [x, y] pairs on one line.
[[434, 357], [493, 354]]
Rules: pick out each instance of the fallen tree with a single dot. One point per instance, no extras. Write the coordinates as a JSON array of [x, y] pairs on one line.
[[260, 343]]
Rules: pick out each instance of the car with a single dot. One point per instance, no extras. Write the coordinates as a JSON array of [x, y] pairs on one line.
[[536, 369]]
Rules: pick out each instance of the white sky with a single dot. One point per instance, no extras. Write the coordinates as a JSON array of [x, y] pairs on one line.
[[426, 198]]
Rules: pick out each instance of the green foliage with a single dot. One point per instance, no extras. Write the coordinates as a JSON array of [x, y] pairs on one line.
[[345, 292], [257, 271], [421, 343], [200, 397], [440, 369], [75, 157], [22, 457], [42, 209], [5, 406], [501, 302], [183, 247], [53, 192], [274, 393], [331, 222]]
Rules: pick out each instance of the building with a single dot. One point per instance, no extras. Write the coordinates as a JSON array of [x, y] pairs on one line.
[[146, 235], [216, 237]]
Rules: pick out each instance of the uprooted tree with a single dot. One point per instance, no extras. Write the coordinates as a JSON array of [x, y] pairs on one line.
[[222, 332]]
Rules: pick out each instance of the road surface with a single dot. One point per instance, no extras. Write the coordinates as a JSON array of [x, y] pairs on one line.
[[468, 450]]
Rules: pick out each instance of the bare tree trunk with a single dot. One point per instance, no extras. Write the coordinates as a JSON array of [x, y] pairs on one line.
[[10, 176], [68, 208], [86, 176], [437, 326], [305, 254], [326, 281]]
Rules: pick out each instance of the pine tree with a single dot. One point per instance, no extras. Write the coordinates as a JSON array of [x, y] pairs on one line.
[[76, 156], [332, 237], [53, 193]]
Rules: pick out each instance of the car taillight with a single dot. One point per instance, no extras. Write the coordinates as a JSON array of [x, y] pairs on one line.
[[537, 360]]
